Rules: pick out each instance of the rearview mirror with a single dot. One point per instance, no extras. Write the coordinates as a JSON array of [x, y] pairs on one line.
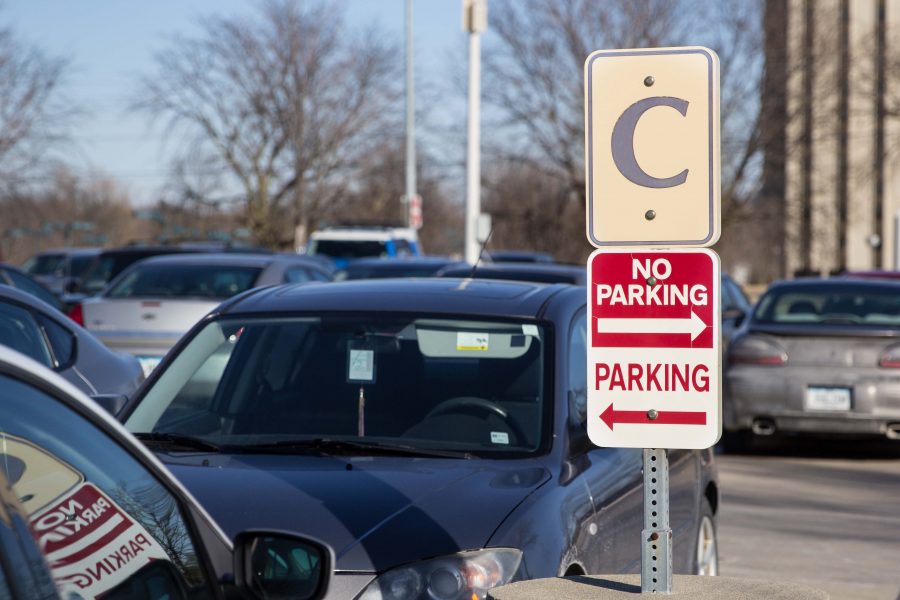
[[273, 565]]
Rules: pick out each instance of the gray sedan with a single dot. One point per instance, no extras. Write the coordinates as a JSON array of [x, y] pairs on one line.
[[148, 307], [818, 356], [41, 332]]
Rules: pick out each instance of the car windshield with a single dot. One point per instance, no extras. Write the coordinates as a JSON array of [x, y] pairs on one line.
[[184, 281], [464, 386], [829, 304], [348, 248], [99, 273], [45, 264], [78, 265]]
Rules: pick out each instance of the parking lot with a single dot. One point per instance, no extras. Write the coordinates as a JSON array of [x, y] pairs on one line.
[[822, 515]]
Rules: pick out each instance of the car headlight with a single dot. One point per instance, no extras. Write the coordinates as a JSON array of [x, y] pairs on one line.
[[463, 576]]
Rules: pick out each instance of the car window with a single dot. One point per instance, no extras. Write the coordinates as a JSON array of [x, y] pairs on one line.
[[98, 273], [348, 248], [5, 592], [578, 371], [459, 385], [829, 304], [106, 525], [27, 285], [184, 281], [402, 247], [20, 331], [728, 300], [80, 264], [297, 275], [45, 264], [62, 342]]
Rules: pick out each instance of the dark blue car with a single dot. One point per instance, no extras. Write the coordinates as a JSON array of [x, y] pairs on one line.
[[431, 431]]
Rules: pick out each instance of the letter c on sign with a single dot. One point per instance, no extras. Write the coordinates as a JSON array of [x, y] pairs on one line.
[[623, 142]]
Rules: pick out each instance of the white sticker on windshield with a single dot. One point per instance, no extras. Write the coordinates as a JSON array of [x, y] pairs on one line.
[[499, 437], [467, 340], [531, 330], [362, 366]]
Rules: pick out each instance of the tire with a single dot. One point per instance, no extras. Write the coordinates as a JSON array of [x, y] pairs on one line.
[[706, 546]]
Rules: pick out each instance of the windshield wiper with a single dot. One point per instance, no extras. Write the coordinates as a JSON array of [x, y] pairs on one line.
[[177, 439], [328, 445]]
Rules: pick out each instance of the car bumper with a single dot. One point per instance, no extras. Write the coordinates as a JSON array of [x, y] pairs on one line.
[[777, 394]]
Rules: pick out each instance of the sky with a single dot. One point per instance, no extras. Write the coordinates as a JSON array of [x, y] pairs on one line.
[[110, 44]]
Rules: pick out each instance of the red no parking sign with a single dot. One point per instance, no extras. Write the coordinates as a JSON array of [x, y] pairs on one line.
[[654, 356]]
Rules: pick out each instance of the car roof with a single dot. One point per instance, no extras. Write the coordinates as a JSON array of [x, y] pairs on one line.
[[69, 250], [835, 282], [873, 274], [32, 301], [230, 258], [400, 260], [521, 271], [426, 295], [363, 233]]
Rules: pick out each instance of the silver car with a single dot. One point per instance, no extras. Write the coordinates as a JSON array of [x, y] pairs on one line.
[[39, 331], [818, 356], [148, 307]]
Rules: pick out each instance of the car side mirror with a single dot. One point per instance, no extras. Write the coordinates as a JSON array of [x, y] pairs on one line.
[[274, 565], [111, 403]]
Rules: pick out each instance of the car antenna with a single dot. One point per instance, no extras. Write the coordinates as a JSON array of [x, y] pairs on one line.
[[481, 252]]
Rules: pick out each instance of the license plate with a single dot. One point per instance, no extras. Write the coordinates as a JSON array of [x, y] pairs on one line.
[[148, 363], [827, 399]]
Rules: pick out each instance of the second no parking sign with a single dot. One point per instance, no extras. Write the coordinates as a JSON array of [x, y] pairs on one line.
[[654, 356]]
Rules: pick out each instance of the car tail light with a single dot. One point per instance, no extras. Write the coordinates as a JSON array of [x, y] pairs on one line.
[[756, 350], [76, 313], [890, 358]]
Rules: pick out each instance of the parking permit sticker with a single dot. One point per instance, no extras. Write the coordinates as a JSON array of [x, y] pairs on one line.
[[499, 437], [530, 330], [466, 340], [360, 365]]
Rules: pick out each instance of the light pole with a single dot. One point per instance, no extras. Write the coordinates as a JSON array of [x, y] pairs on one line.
[[475, 22], [410, 115]]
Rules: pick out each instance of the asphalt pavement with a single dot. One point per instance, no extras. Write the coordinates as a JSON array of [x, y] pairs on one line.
[[825, 515]]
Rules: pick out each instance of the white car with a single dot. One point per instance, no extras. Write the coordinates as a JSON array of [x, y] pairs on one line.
[[342, 244]]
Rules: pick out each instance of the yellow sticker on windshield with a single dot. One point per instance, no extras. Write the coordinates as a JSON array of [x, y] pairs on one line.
[[466, 340]]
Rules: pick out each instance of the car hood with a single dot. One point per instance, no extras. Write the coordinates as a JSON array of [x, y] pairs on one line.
[[376, 513]]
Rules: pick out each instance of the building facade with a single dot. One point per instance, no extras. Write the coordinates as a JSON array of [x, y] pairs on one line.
[[831, 135]]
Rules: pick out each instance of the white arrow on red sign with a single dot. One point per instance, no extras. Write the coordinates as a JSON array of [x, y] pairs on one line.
[[693, 325]]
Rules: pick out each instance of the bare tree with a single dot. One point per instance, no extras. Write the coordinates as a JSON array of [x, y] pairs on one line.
[[32, 114], [286, 102], [535, 91], [72, 210]]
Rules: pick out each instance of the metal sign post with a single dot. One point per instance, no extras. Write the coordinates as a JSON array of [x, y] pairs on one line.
[[656, 547], [652, 180]]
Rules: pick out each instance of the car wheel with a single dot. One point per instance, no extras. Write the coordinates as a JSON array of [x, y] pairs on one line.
[[706, 554]]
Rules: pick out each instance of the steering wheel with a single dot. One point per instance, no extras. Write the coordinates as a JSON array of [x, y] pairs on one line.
[[464, 404]]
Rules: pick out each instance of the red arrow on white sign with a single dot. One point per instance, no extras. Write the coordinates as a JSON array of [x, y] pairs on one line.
[[611, 416], [693, 325]]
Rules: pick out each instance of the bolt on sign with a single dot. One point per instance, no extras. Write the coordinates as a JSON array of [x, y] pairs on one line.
[[654, 354], [652, 147]]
